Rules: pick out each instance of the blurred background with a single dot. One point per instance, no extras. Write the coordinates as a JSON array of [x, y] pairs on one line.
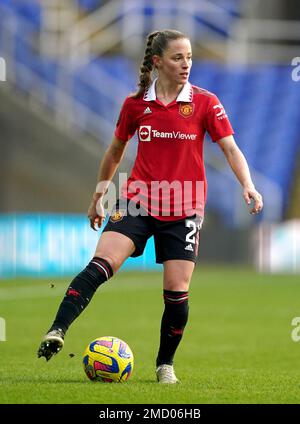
[[66, 67]]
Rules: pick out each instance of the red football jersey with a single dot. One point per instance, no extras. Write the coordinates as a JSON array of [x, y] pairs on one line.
[[168, 177]]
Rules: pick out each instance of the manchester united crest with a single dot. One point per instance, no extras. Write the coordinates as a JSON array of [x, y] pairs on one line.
[[186, 109], [117, 215]]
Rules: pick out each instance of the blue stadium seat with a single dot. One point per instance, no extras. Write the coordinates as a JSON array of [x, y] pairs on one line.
[[7, 3], [89, 5], [30, 10]]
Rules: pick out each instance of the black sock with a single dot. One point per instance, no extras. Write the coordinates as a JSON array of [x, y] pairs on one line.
[[81, 291], [174, 319]]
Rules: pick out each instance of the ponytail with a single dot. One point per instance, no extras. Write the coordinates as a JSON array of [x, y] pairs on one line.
[[146, 67]]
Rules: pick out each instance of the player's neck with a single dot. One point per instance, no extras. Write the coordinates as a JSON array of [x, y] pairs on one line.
[[166, 91]]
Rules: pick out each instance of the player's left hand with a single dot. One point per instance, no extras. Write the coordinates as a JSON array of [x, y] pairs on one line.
[[252, 194]]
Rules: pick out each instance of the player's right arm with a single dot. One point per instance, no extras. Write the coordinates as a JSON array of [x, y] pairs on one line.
[[107, 169]]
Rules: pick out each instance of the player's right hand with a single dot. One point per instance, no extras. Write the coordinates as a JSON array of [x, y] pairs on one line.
[[96, 214]]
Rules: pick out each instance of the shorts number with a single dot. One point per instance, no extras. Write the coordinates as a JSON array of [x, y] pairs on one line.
[[190, 238]]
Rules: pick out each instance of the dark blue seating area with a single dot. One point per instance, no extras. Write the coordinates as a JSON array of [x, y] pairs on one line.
[[216, 15], [29, 10], [88, 79], [89, 5], [34, 72], [261, 102]]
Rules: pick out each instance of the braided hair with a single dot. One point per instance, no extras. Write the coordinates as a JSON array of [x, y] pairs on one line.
[[157, 43]]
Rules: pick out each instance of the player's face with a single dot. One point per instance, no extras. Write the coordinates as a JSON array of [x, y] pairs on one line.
[[176, 61]]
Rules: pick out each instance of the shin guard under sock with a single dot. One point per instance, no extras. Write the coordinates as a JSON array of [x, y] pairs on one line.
[[81, 291], [174, 319]]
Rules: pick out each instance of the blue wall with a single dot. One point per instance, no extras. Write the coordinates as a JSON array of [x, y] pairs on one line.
[[45, 245]]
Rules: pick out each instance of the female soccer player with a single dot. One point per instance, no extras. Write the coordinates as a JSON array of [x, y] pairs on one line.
[[165, 194]]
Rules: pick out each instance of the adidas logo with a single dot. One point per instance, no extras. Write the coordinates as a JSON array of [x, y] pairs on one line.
[[189, 247], [147, 110]]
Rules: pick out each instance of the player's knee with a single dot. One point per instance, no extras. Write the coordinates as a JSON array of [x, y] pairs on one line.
[[177, 284], [113, 261]]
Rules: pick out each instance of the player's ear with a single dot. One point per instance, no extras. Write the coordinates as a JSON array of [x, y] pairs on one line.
[[156, 61]]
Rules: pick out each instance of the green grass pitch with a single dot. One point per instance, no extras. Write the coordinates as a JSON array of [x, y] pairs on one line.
[[237, 347]]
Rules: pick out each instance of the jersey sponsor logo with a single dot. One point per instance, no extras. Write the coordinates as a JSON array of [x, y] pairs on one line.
[[147, 110], [186, 109], [146, 133], [220, 111]]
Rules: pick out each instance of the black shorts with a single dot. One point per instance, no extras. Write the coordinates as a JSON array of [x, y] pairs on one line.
[[173, 239]]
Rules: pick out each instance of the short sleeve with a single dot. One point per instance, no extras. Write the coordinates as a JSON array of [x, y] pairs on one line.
[[217, 123], [126, 124]]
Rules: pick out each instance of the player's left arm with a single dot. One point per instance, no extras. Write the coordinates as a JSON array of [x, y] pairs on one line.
[[239, 165]]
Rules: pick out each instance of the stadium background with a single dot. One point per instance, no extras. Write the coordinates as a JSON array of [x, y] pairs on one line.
[[68, 65]]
